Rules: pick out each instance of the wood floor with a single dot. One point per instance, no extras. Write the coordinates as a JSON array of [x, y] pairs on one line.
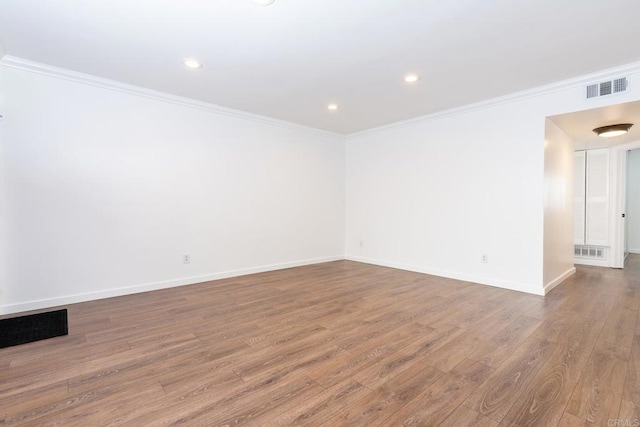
[[339, 344]]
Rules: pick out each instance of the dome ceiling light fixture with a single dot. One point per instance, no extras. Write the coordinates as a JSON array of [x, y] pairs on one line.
[[612, 131]]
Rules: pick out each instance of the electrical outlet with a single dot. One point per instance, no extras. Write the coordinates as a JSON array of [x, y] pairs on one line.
[[186, 259], [484, 258]]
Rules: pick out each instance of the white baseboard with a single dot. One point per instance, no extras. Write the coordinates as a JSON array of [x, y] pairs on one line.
[[633, 251], [520, 287], [561, 278], [108, 293], [592, 262], [115, 292]]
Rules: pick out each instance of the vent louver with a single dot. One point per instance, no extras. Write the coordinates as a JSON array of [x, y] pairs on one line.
[[620, 85], [609, 87], [592, 91], [594, 252]]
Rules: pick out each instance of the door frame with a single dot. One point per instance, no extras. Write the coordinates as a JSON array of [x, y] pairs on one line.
[[618, 200]]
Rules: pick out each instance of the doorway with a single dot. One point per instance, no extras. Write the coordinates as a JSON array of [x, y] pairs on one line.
[[626, 200], [632, 202], [579, 127]]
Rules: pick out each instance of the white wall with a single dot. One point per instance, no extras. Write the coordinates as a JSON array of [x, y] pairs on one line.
[[434, 194], [3, 229], [633, 201], [558, 206], [105, 192]]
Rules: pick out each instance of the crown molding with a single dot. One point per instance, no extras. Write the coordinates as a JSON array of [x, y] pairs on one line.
[[10, 61], [623, 70], [117, 86]]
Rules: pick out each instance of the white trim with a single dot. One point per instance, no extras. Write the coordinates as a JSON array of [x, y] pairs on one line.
[[618, 196], [592, 262], [633, 251], [621, 71], [561, 278], [10, 61], [513, 286], [116, 86], [71, 299]]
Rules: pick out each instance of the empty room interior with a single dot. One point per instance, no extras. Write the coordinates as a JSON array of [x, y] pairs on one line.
[[336, 213]]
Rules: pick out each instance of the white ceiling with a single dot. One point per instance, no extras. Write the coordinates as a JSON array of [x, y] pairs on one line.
[[291, 59]]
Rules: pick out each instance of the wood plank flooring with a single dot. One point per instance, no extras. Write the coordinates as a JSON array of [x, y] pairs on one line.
[[339, 344]]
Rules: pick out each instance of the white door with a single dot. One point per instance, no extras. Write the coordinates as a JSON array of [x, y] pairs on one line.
[[579, 194], [597, 198]]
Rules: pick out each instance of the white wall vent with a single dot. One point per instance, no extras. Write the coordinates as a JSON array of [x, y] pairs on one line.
[[609, 87], [592, 252]]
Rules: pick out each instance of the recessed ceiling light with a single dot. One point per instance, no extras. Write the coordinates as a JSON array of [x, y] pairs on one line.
[[411, 78], [264, 2], [332, 107], [613, 130], [192, 63]]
